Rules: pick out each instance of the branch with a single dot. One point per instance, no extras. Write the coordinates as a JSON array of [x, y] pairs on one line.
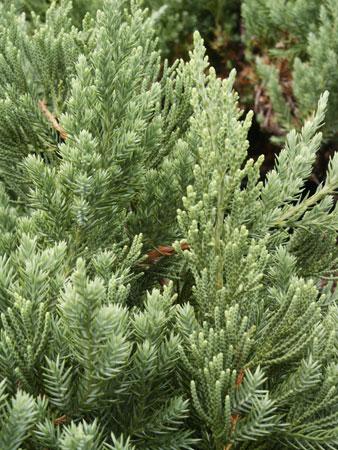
[[52, 119], [162, 250]]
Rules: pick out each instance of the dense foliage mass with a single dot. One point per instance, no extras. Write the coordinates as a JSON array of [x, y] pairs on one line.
[[300, 60], [155, 292]]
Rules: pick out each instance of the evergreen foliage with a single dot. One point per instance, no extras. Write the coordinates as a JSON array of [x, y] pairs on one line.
[[36, 68], [176, 20], [155, 293], [39, 7], [306, 43], [256, 322], [290, 20]]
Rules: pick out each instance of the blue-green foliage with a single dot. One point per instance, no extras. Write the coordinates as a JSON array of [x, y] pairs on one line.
[[259, 337], [108, 342]]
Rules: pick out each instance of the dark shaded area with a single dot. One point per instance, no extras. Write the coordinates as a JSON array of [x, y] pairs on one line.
[[260, 144]]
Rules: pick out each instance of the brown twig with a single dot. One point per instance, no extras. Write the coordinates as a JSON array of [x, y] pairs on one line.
[[52, 119], [239, 378], [235, 418], [60, 420], [153, 256]]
